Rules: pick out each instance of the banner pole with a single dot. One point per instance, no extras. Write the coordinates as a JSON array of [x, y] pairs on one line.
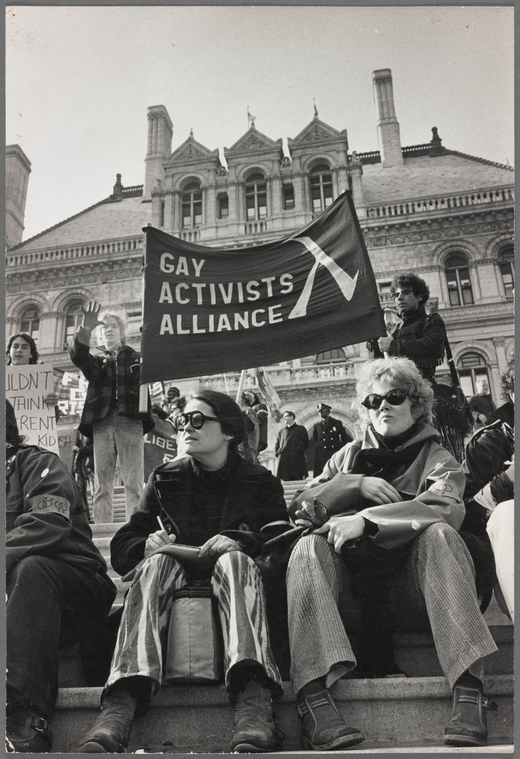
[[143, 389], [240, 385]]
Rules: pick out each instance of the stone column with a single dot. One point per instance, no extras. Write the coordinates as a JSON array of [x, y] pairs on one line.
[[387, 124], [275, 182]]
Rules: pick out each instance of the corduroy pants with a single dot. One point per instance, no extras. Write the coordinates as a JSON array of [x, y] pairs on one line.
[[438, 579], [141, 643]]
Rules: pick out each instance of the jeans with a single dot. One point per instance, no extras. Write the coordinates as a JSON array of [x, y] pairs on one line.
[[117, 437]]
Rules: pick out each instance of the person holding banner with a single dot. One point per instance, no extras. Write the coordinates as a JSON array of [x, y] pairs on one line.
[[57, 586], [399, 545], [111, 414], [214, 499]]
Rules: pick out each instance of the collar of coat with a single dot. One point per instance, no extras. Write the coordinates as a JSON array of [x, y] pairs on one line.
[[425, 432]]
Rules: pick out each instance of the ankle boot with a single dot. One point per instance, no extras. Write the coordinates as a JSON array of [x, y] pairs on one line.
[[27, 733], [110, 733], [323, 727], [468, 724], [254, 728]]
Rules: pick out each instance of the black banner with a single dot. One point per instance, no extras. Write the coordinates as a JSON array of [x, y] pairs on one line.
[[211, 310]]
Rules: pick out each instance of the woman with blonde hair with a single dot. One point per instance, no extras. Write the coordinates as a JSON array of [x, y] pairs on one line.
[[403, 502]]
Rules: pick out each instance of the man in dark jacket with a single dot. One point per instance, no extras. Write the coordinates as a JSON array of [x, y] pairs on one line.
[[57, 585], [199, 497], [111, 412], [420, 337], [329, 435], [481, 404], [291, 443]]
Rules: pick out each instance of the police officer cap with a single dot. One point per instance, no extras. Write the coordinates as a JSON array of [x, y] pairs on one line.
[[323, 406]]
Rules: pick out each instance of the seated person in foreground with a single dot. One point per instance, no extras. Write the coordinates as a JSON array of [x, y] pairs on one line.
[[407, 491], [57, 585], [199, 496]]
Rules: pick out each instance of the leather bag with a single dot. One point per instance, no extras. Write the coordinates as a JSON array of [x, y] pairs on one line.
[[195, 652]]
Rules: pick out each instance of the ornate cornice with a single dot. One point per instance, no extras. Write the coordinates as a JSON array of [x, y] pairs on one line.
[[442, 230]]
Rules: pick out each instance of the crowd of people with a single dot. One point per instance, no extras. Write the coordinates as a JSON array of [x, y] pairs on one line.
[[414, 534]]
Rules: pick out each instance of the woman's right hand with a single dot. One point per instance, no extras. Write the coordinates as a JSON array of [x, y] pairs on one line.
[[379, 491], [91, 315], [156, 540]]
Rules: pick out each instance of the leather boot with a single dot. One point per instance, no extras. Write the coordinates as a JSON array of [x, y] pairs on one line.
[[323, 727], [27, 733], [468, 725], [110, 733], [254, 728]]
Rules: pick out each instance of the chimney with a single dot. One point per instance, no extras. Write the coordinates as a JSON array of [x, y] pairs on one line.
[[160, 133], [17, 170], [387, 124]]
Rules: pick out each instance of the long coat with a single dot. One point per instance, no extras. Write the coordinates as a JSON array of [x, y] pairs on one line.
[[328, 438], [290, 446]]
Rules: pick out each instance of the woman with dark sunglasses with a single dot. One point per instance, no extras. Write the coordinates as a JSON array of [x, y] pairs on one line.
[[198, 497], [400, 549]]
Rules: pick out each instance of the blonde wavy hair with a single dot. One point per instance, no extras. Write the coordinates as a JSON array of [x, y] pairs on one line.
[[402, 373]]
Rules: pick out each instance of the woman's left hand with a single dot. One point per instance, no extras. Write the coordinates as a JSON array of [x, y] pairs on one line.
[[341, 529], [218, 545]]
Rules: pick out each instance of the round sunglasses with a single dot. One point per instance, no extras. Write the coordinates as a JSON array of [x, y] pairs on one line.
[[195, 418], [394, 397]]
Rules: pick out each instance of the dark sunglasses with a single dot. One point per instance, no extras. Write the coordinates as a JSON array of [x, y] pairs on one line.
[[394, 397], [195, 418]]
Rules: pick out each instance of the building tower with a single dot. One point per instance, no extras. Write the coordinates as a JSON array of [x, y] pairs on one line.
[[387, 124], [17, 170], [160, 133]]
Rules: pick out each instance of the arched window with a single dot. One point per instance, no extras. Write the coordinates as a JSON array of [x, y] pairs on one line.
[[459, 283], [471, 368], [331, 357], [256, 198], [506, 264], [192, 206], [30, 323], [321, 188], [73, 318]]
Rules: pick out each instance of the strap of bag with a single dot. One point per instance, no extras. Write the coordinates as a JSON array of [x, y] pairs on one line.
[[449, 358]]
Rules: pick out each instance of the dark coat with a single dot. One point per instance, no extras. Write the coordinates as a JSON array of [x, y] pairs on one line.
[[290, 446], [420, 338], [111, 378], [328, 438], [254, 498], [46, 515]]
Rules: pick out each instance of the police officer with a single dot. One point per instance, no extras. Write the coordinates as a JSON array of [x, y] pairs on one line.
[[329, 435]]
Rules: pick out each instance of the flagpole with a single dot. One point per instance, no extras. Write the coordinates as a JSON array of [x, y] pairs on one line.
[[241, 385], [143, 389]]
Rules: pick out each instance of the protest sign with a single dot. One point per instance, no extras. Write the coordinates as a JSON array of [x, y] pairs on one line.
[[26, 388], [210, 310]]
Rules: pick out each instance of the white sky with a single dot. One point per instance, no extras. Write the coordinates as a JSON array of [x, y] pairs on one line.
[[79, 81]]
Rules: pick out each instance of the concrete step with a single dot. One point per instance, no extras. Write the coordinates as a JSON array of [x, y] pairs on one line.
[[392, 713]]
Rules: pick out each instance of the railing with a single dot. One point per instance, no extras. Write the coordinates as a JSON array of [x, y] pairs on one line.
[[255, 227], [189, 235], [72, 253], [442, 203], [283, 376]]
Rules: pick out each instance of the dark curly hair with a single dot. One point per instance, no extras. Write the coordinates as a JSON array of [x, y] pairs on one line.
[[408, 279], [32, 345]]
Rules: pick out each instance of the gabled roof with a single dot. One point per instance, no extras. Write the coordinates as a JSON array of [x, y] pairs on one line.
[[191, 150], [107, 220], [253, 141], [317, 131]]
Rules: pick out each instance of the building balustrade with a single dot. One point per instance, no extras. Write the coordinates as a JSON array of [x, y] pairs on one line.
[[255, 227], [443, 203], [72, 253], [282, 376]]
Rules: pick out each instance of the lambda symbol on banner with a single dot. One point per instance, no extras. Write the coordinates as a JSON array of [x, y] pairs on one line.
[[346, 283]]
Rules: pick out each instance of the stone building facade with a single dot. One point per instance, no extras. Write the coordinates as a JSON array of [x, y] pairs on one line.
[[446, 215]]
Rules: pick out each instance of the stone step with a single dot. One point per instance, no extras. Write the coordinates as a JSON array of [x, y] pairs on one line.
[[392, 713]]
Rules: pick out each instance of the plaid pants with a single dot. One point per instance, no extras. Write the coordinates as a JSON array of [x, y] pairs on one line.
[[141, 642], [438, 579]]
